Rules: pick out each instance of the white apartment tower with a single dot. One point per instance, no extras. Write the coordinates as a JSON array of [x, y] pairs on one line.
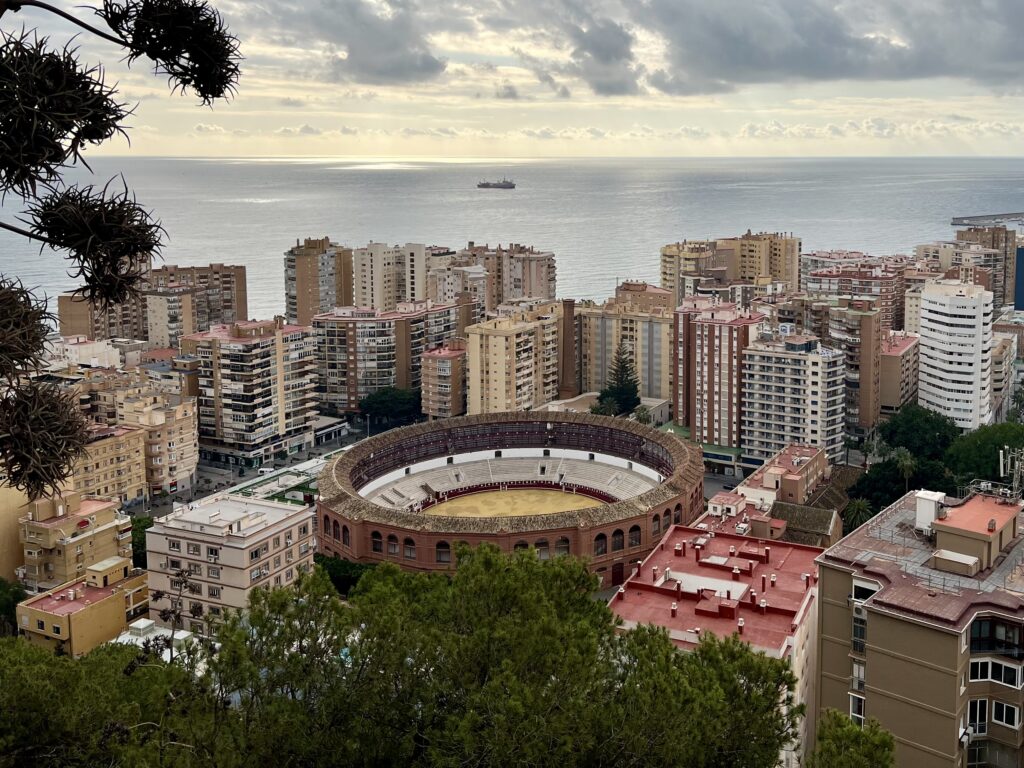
[[955, 375], [383, 275], [792, 393]]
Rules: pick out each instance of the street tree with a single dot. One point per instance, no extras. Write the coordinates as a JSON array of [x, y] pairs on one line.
[[842, 743]]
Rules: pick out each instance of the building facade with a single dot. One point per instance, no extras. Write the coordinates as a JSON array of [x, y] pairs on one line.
[[774, 255], [113, 464], [444, 380], [209, 556], [78, 317], [221, 294], [883, 282], [1004, 241], [171, 425], [855, 329], [899, 365], [317, 278], [257, 390], [955, 376], [171, 312]]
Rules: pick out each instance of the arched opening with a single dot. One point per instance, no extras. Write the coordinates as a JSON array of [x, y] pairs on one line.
[[442, 552], [655, 525], [634, 536], [521, 545], [409, 547], [327, 524], [346, 540], [376, 542], [618, 540], [392, 544], [562, 546], [542, 549], [335, 531], [677, 515], [600, 544]]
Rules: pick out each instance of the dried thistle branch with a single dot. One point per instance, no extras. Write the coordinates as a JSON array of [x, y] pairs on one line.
[[110, 237], [42, 436], [186, 39], [24, 325], [51, 106]]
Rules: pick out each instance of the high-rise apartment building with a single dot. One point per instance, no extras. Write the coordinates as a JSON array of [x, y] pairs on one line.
[[644, 296], [229, 545], [1004, 241], [792, 393], [1004, 374], [171, 438], [383, 275], [62, 536], [113, 464], [766, 254], [855, 329], [88, 611], [221, 295], [899, 363], [444, 380], [514, 272], [806, 315], [446, 282], [317, 278], [513, 360], [921, 626], [816, 261], [707, 365], [961, 253], [693, 258], [257, 390], [883, 282], [78, 317], [171, 312], [955, 377], [912, 309], [362, 350], [645, 331], [63, 352]]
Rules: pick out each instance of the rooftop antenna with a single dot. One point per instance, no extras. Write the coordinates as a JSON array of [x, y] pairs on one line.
[[1011, 464]]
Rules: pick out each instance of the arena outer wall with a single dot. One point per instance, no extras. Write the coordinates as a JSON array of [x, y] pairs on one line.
[[612, 537]]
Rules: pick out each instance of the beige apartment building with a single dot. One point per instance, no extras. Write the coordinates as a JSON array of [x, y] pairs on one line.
[[855, 329], [899, 362], [793, 392], [87, 612], [1004, 241], [449, 280], [444, 380], [13, 507], [640, 320], [921, 626], [361, 350], [78, 317], [766, 254], [815, 261], [171, 438], [514, 272], [229, 546], [959, 254], [694, 258], [707, 363], [317, 278], [257, 390], [62, 536], [513, 360], [171, 312], [1004, 374], [63, 352], [384, 275], [177, 376], [113, 464], [221, 295], [883, 282]]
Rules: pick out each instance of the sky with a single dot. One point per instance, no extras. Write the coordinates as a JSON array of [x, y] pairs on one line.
[[546, 78]]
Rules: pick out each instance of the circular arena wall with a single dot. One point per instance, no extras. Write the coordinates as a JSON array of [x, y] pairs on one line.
[[613, 534]]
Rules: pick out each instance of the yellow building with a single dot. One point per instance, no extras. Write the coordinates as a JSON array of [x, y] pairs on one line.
[[693, 258], [84, 613], [771, 254], [64, 535], [171, 440], [113, 464], [13, 507], [513, 360], [171, 312], [317, 278]]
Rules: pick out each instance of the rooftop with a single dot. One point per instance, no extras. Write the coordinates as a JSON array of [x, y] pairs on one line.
[[899, 342], [245, 330], [88, 506], [227, 514], [103, 431], [788, 461], [697, 581], [76, 595], [445, 352], [892, 551]]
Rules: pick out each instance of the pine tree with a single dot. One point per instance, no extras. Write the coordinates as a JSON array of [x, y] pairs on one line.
[[623, 386]]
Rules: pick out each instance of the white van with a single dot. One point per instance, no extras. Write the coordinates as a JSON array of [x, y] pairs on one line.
[[267, 470]]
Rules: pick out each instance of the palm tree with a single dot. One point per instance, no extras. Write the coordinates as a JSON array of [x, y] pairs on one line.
[[905, 463], [857, 512]]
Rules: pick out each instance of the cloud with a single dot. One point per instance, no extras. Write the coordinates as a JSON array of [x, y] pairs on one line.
[[288, 101], [208, 129], [603, 57], [302, 130], [883, 129], [506, 91], [541, 71]]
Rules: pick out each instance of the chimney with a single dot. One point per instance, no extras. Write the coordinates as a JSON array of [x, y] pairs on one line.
[[807, 580], [683, 545], [753, 597], [679, 590], [764, 606], [639, 567], [773, 581], [992, 525], [764, 583], [679, 550], [732, 551], [736, 574], [654, 573], [767, 554], [739, 626], [673, 610], [621, 593]]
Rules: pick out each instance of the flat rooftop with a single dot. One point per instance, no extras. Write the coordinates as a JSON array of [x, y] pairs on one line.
[[717, 579], [888, 549], [225, 513], [899, 342], [788, 461], [58, 603], [88, 506]]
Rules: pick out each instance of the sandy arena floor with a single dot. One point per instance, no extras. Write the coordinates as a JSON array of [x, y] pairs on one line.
[[512, 503]]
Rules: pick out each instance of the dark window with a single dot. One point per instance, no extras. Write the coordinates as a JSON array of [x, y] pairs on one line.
[[376, 542], [327, 524], [634, 536], [618, 540], [863, 593], [542, 549], [562, 546], [860, 634], [335, 531], [410, 549], [443, 552], [345, 538], [600, 544], [655, 525], [521, 545], [392, 545]]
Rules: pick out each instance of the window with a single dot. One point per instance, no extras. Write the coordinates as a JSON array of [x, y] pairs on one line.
[[56, 629], [618, 540], [346, 540], [860, 633], [335, 531], [195, 568], [40, 625], [304, 530], [213, 571], [195, 627], [215, 610], [977, 716], [174, 564], [1004, 673], [392, 545], [634, 536], [173, 545], [289, 575], [520, 545], [254, 574], [327, 524], [1004, 714], [255, 554], [376, 542], [409, 547], [443, 552], [277, 542], [562, 547], [193, 549], [213, 592], [979, 670], [600, 544], [857, 709], [542, 549], [859, 670], [213, 552], [655, 525], [195, 608]]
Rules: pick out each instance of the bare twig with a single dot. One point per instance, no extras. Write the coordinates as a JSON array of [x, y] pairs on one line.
[[65, 15]]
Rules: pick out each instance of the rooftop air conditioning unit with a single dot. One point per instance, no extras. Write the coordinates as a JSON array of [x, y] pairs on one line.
[[742, 529]]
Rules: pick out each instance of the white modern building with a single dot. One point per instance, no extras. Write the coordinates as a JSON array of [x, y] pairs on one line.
[[955, 374], [792, 393]]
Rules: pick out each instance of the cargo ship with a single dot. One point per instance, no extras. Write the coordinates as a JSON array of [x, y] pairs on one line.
[[503, 184]]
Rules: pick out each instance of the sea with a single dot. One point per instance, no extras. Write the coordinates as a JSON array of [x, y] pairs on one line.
[[605, 219]]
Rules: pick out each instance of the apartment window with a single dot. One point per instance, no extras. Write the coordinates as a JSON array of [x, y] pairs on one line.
[[860, 633], [255, 554], [977, 716], [409, 547], [376, 542], [254, 574], [192, 549], [289, 574], [40, 625], [214, 610], [213, 571], [858, 677], [1005, 714], [277, 560], [277, 542], [195, 568], [173, 545], [392, 545], [195, 627], [56, 629], [857, 709], [213, 551], [213, 592], [174, 564]]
